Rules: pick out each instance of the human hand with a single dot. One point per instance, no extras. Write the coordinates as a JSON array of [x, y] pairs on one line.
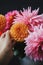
[[6, 46]]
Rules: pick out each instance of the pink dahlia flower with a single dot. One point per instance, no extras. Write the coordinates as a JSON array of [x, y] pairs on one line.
[[10, 16], [34, 44], [30, 18]]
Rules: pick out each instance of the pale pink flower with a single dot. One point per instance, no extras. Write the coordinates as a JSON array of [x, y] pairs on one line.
[[30, 18], [34, 44]]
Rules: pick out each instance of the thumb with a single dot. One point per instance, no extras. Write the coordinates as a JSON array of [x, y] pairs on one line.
[[7, 37]]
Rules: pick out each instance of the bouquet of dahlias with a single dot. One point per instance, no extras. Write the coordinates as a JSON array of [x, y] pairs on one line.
[[26, 28]]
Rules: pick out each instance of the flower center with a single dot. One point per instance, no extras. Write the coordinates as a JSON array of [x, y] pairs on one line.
[[18, 29]]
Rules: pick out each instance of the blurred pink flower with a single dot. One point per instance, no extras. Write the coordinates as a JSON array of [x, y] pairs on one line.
[[29, 17], [10, 16], [34, 44]]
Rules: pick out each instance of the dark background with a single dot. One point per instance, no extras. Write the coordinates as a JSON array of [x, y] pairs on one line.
[[7, 5]]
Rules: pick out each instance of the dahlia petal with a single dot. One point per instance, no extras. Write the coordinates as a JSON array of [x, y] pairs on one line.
[[9, 18], [34, 44], [29, 18]]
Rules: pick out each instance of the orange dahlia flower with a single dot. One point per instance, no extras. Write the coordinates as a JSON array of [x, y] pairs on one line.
[[2, 22], [19, 31]]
